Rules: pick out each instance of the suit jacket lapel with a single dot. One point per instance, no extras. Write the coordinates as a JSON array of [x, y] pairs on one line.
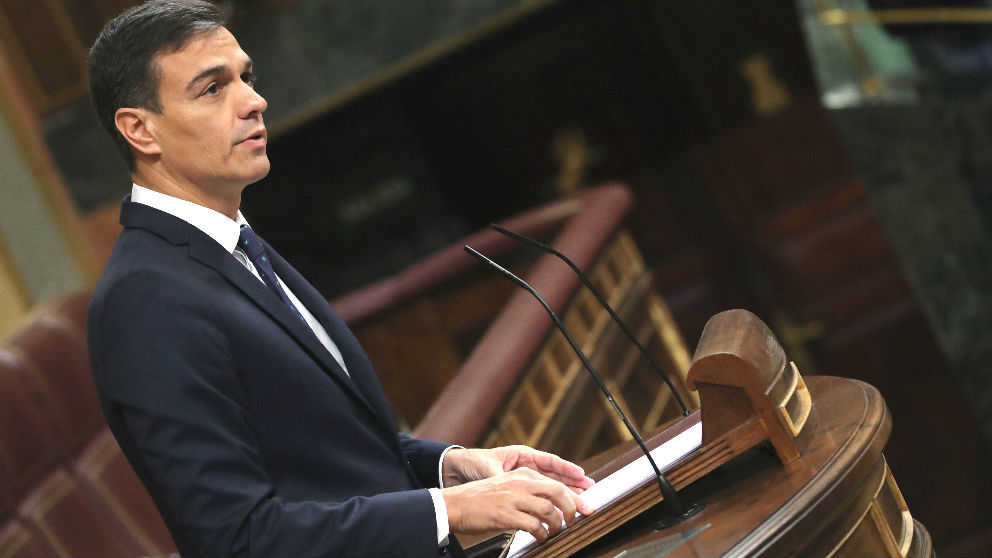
[[359, 367], [205, 250]]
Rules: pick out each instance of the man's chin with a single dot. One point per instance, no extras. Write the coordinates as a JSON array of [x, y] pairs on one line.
[[262, 172]]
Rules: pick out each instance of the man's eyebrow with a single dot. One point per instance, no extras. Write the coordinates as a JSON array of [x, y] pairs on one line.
[[217, 70]]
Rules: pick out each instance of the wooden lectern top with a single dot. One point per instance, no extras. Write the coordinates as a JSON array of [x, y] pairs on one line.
[[787, 467], [811, 506]]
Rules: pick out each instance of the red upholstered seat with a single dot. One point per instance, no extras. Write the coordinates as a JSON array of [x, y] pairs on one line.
[[19, 541], [73, 307], [65, 487], [28, 443], [53, 352], [74, 523], [104, 471]]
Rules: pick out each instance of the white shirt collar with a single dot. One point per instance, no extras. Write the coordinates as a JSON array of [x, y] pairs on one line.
[[226, 232], [214, 224]]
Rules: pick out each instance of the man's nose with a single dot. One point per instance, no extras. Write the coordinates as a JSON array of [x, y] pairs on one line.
[[253, 102]]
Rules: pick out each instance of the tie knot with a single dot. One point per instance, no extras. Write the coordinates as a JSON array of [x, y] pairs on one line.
[[250, 243]]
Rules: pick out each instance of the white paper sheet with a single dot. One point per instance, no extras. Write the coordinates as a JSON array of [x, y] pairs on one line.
[[625, 480]]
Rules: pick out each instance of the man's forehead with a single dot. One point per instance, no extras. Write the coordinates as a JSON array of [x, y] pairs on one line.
[[213, 48]]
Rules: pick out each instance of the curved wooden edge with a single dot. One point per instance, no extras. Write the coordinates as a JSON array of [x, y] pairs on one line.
[[464, 410], [741, 373], [922, 545], [854, 460], [737, 334], [823, 493]]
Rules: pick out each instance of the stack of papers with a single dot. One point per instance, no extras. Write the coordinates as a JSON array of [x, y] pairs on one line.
[[619, 484]]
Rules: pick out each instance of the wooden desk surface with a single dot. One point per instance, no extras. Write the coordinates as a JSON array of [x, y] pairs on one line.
[[817, 505]]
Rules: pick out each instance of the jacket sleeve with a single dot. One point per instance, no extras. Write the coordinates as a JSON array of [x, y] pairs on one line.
[[169, 387], [424, 456]]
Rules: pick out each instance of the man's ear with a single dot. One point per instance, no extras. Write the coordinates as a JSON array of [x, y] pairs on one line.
[[138, 127]]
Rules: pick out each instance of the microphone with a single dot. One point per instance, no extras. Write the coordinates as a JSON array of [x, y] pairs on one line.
[[678, 511], [602, 301]]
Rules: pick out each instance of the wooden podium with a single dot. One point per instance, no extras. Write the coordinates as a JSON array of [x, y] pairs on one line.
[[787, 466]]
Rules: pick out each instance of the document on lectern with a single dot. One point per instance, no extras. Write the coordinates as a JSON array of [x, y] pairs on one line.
[[617, 485]]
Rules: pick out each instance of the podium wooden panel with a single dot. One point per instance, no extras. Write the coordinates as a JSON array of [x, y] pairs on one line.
[[838, 498]]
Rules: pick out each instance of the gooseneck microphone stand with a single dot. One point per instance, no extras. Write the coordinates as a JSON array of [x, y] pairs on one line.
[[602, 301], [671, 498]]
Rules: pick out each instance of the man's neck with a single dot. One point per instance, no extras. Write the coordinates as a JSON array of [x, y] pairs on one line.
[[226, 205]]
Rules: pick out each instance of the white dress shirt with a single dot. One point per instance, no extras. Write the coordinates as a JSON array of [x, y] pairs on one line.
[[226, 232]]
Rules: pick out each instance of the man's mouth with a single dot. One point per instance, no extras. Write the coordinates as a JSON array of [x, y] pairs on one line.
[[255, 139]]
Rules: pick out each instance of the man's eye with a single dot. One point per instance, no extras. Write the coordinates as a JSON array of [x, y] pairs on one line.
[[212, 89], [250, 78]]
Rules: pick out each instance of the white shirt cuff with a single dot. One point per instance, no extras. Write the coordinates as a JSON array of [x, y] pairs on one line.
[[441, 510], [441, 513], [440, 464]]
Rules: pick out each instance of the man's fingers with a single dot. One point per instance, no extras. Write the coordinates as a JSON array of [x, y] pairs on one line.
[[553, 463], [561, 470], [544, 511], [577, 484], [522, 499], [564, 502], [583, 508], [530, 524]]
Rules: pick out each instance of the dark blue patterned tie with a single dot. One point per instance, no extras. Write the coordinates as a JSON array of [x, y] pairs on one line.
[[251, 245]]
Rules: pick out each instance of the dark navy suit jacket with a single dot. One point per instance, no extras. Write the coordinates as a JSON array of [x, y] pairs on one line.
[[249, 436]]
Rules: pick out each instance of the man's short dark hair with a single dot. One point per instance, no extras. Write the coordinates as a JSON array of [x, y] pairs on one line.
[[122, 67]]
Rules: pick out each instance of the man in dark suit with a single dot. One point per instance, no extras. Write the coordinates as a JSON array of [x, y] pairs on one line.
[[244, 403]]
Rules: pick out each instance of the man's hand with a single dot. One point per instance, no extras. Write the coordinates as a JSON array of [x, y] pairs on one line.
[[513, 487], [521, 499], [467, 465]]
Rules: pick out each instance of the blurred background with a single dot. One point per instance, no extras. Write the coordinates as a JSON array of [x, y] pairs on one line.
[[826, 164]]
